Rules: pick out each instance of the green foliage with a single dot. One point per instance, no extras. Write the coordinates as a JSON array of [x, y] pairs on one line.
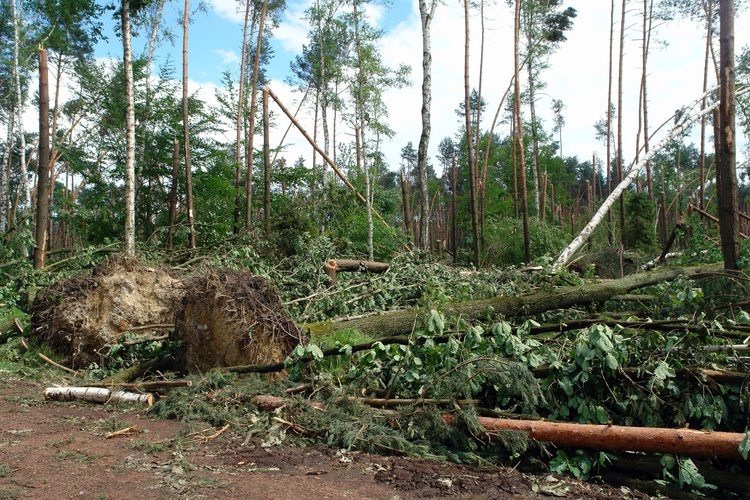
[[639, 227], [582, 465], [684, 472], [504, 241]]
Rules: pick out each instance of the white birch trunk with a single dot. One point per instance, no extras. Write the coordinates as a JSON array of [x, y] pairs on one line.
[[96, 395], [25, 184], [686, 120], [130, 132]]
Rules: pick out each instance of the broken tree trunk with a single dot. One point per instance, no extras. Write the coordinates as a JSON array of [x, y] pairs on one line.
[[334, 266], [686, 442], [96, 395], [682, 124], [403, 321]]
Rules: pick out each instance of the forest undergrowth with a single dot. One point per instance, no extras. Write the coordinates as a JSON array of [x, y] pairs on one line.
[[648, 359]]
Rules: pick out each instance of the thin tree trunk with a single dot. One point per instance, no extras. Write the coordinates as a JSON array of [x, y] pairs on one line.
[[253, 103], [620, 112], [685, 121], [43, 181], [186, 128], [538, 191], [648, 9], [609, 114], [129, 131], [405, 206], [702, 173], [469, 138], [238, 123], [173, 192], [19, 105], [519, 136], [454, 222], [726, 177], [426, 16], [266, 167]]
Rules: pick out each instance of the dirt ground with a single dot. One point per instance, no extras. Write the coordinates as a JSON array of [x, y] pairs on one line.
[[63, 450]]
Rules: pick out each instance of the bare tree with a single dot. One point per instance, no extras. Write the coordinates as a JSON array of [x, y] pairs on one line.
[[726, 177], [127, 59], [186, 127], [470, 139], [426, 12], [519, 133], [43, 167]]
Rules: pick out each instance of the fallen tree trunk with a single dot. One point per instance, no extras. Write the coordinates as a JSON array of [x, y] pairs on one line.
[[403, 321], [686, 442], [334, 266], [96, 395]]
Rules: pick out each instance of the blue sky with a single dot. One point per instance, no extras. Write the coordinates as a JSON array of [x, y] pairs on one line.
[[577, 73]]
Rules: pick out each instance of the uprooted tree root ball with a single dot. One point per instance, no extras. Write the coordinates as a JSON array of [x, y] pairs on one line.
[[83, 317], [233, 318]]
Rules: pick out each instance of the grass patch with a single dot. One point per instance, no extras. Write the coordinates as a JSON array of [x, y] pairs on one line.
[[78, 456]]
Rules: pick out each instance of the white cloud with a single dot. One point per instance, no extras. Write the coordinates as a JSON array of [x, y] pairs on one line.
[[227, 56]]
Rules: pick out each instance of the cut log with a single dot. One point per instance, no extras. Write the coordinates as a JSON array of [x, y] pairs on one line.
[[403, 321], [334, 266], [96, 395], [686, 442]]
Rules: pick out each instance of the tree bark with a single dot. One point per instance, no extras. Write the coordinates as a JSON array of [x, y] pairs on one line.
[[469, 139], [127, 61], [621, 438], [685, 121], [238, 123], [426, 15], [43, 165], [620, 112], [251, 133], [334, 266], [173, 191], [96, 395], [519, 136], [726, 177], [266, 167], [403, 321], [186, 128]]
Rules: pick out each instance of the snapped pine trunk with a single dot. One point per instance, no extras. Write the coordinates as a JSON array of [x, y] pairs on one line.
[[403, 321], [686, 442]]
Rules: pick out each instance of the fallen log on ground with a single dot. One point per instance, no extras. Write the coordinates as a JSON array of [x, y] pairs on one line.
[[403, 321], [96, 395], [685, 442], [334, 266]]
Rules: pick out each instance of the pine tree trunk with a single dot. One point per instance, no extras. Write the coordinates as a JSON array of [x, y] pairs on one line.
[[519, 136], [469, 139], [706, 59], [251, 132], [238, 124], [129, 131], [648, 9], [726, 177], [620, 112], [266, 167], [43, 167], [186, 128]]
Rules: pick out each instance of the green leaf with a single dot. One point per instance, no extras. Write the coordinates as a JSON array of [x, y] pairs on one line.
[[745, 445], [663, 371], [611, 361]]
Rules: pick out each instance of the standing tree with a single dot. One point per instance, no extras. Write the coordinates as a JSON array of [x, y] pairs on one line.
[[43, 167], [519, 132], [469, 141], [426, 13], [127, 59], [726, 177], [186, 126]]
